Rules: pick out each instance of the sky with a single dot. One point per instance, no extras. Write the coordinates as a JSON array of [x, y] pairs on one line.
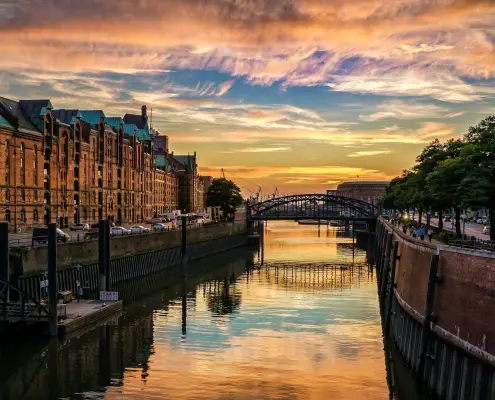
[[297, 95]]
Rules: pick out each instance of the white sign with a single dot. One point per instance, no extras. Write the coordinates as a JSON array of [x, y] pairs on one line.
[[109, 296], [43, 284]]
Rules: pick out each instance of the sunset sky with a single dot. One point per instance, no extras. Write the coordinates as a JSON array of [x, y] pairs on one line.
[[298, 95]]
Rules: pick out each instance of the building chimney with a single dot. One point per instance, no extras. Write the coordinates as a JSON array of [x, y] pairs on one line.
[[143, 112]]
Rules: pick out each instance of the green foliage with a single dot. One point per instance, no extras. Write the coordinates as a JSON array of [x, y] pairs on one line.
[[224, 193], [458, 173]]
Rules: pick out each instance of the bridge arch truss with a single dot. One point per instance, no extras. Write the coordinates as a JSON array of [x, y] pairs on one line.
[[312, 206]]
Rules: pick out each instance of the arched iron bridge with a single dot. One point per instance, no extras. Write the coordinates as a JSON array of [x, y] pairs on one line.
[[312, 206]]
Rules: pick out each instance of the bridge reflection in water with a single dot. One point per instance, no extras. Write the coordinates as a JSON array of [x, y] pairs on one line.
[[305, 323]]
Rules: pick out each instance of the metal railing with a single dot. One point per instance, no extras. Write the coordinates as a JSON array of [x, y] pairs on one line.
[[473, 244], [27, 241]]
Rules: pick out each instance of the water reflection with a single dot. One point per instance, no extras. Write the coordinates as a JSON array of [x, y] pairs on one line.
[[298, 320]]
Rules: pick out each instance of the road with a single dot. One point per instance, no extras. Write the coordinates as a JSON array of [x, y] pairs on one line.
[[24, 239], [472, 229]]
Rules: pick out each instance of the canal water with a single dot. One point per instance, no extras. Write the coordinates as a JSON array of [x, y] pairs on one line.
[[297, 319]]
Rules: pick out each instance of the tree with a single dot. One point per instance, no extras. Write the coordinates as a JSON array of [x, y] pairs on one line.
[[225, 194], [479, 156], [444, 185], [427, 161]]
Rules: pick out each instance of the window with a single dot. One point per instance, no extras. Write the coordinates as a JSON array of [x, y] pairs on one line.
[[23, 215], [23, 164], [35, 216], [35, 165], [7, 195], [23, 195], [7, 215], [7, 162]]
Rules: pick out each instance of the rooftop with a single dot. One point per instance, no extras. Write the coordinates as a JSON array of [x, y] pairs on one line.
[[359, 183], [25, 114]]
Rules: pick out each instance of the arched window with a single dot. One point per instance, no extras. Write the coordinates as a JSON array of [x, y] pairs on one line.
[[35, 216], [7, 215], [23, 164], [35, 165], [7, 162], [23, 215]]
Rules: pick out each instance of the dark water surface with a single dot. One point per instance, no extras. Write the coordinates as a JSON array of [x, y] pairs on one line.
[[299, 319]]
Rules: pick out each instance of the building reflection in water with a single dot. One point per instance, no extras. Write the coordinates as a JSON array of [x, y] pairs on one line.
[[299, 319]]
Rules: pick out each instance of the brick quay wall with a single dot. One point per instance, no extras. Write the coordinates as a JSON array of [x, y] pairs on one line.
[[28, 262], [454, 351]]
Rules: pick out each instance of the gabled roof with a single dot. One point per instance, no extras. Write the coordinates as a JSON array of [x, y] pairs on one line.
[[114, 122], [138, 120], [187, 161], [92, 117], [130, 129], [35, 110], [143, 135], [161, 160], [14, 113], [67, 116], [4, 122]]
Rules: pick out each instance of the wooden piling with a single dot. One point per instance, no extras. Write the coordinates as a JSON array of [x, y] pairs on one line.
[[428, 317], [4, 256], [52, 279], [388, 309], [386, 264], [104, 253]]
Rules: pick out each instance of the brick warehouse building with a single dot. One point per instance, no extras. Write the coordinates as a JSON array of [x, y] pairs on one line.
[[368, 191], [70, 166]]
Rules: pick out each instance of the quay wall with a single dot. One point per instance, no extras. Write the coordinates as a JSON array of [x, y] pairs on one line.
[[148, 260], [454, 353], [29, 261], [464, 302]]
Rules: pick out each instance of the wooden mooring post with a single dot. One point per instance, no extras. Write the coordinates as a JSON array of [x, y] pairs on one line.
[[386, 265], [52, 279], [388, 309], [104, 254], [4, 252]]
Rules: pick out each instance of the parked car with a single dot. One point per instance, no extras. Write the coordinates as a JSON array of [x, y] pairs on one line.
[[139, 229], [119, 231], [448, 218], [479, 220], [486, 230], [40, 235], [156, 220], [160, 227], [80, 227]]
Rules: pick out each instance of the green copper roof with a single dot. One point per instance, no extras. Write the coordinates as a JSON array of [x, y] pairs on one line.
[[4, 122], [92, 116], [130, 129], [161, 161], [143, 134], [114, 122], [187, 161]]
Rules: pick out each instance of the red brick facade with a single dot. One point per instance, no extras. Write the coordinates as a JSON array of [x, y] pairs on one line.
[[70, 166], [370, 192]]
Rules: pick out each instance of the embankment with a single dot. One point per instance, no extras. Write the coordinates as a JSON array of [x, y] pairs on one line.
[[453, 353], [131, 256]]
